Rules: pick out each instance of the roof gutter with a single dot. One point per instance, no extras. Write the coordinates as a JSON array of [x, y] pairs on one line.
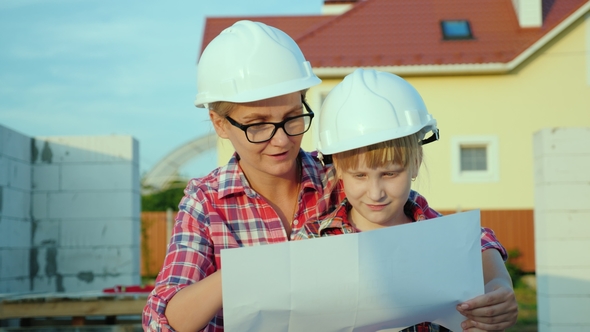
[[464, 69]]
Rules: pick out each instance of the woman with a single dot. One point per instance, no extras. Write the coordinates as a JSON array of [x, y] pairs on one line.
[[253, 79]]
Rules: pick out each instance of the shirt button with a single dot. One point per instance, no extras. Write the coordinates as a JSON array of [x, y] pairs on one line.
[[295, 222], [153, 326]]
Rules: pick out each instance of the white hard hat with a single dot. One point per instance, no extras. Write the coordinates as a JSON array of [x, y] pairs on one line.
[[251, 61], [370, 107]]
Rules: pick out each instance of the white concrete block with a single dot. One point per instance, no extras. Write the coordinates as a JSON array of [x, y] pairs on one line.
[[19, 175], [1, 202], [566, 310], [562, 169], [562, 225], [15, 233], [136, 205], [97, 260], [15, 145], [562, 254], [46, 260], [563, 281], [40, 205], [81, 283], [91, 205], [98, 176], [3, 171], [563, 328], [15, 285], [73, 149], [561, 197], [136, 224], [46, 232], [38, 262], [16, 203], [46, 177], [101, 233], [559, 141], [15, 263], [46, 284]]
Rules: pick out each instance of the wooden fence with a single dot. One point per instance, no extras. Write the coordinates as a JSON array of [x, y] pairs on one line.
[[514, 229], [154, 240]]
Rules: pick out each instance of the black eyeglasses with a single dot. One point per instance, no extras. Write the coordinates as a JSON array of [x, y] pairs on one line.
[[265, 131]]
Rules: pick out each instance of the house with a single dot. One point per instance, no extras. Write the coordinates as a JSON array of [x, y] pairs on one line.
[[492, 74]]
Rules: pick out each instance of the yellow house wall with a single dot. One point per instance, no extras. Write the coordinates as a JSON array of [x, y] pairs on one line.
[[551, 89]]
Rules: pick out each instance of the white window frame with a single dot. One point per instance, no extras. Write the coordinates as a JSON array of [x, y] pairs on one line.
[[492, 174]]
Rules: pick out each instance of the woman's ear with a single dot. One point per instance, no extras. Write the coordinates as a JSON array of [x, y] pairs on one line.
[[218, 124]]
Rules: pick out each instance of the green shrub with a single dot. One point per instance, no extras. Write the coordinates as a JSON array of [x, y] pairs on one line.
[[513, 267], [165, 199]]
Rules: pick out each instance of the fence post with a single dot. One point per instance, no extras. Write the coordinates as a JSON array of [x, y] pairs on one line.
[[169, 225]]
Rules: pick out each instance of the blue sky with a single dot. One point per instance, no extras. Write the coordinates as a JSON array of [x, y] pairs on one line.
[[102, 67]]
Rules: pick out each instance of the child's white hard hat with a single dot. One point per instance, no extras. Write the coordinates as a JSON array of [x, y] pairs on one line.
[[370, 107]]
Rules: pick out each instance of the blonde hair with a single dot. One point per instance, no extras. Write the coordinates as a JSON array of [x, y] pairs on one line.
[[405, 151], [222, 108]]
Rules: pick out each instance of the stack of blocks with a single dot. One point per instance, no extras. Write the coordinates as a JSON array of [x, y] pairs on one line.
[[69, 212], [562, 228]]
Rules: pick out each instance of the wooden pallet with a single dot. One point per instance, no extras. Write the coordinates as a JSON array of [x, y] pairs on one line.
[[75, 305]]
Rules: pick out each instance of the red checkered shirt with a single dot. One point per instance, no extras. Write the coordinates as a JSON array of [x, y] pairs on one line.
[[222, 211], [336, 223]]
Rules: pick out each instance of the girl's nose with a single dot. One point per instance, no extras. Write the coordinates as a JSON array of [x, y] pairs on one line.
[[375, 191]]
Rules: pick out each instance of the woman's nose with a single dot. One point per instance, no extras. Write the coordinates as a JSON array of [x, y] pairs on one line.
[[280, 137]]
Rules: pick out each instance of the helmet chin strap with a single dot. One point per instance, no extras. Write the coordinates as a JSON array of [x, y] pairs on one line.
[[326, 159], [434, 137]]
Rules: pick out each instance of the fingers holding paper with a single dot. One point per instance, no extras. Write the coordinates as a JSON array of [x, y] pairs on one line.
[[497, 309], [494, 311]]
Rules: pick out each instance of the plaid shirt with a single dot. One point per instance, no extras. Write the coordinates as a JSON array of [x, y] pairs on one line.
[[222, 211], [417, 209]]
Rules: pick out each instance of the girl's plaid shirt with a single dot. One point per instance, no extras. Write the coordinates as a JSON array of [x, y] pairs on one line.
[[222, 211], [416, 208], [336, 223]]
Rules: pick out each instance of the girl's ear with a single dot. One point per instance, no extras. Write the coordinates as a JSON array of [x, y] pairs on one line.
[[338, 172], [418, 163], [218, 124]]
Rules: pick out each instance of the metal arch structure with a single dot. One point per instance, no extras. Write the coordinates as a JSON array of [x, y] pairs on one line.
[[166, 170]]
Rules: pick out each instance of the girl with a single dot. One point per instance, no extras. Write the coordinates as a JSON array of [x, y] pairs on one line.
[[373, 126]]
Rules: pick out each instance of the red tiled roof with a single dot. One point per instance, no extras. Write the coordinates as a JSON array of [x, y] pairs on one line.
[[340, 1], [403, 33], [294, 26]]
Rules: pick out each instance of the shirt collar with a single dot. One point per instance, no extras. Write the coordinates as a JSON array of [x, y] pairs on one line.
[[233, 181], [339, 217]]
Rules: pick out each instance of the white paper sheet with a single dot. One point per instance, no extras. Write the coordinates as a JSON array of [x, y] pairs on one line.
[[388, 278]]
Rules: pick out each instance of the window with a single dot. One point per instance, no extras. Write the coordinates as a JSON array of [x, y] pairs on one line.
[[456, 30], [475, 159]]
